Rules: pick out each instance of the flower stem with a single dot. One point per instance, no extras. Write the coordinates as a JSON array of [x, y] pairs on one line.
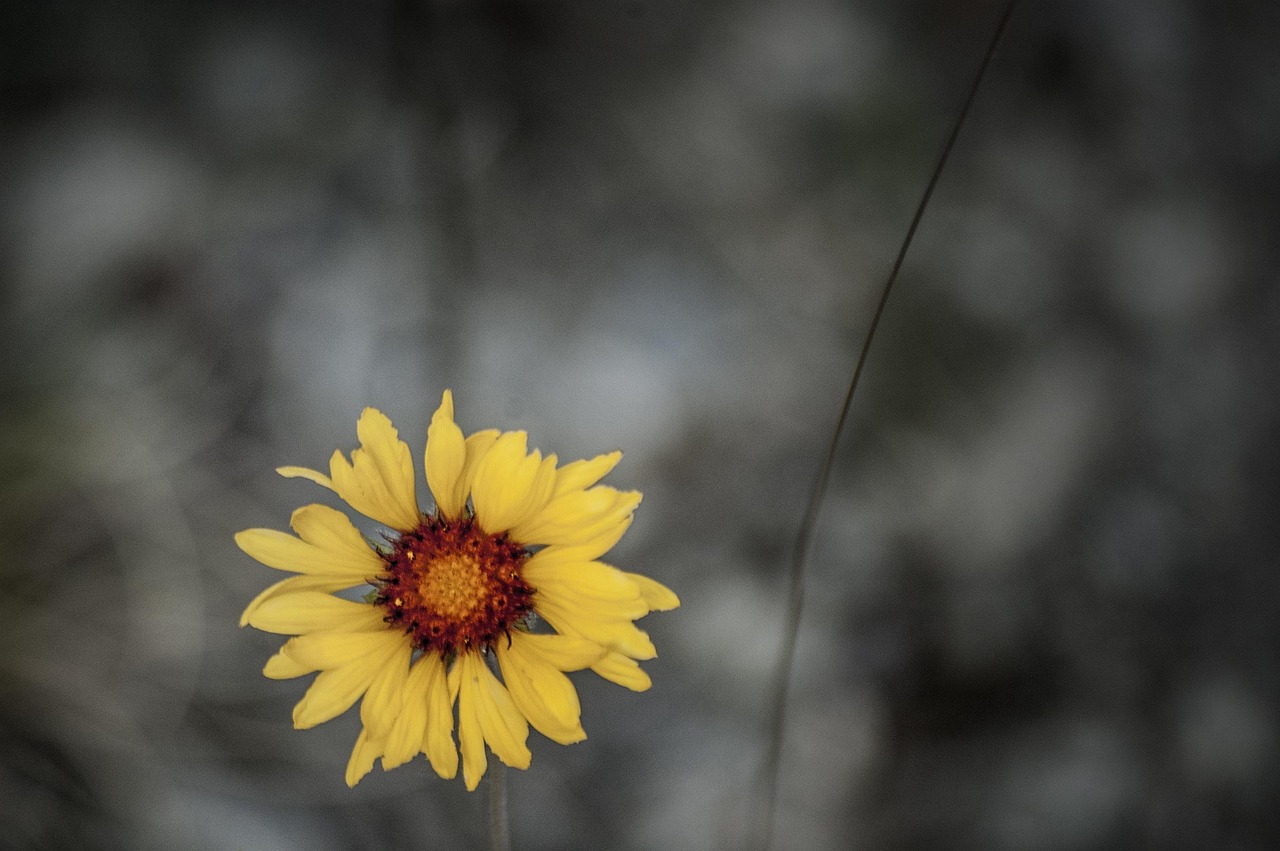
[[499, 825]]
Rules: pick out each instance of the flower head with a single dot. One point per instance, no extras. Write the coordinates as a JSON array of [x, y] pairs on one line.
[[513, 544]]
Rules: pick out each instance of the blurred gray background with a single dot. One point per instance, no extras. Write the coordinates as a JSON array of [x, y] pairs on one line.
[[1042, 606]]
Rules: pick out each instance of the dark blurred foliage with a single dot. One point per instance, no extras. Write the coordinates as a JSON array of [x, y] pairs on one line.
[[1042, 608]]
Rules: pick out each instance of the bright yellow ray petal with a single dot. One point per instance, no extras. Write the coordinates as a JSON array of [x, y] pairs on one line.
[[332, 693], [470, 736], [505, 729], [616, 634], [296, 584], [336, 689], [589, 579], [624, 671], [405, 739], [510, 484], [579, 475], [306, 473], [425, 722], [362, 757], [477, 446], [437, 742], [659, 597], [283, 667], [332, 531], [382, 702], [559, 556], [578, 517], [309, 611], [285, 552], [445, 456], [393, 464], [502, 482], [589, 548], [540, 691], [569, 598], [547, 698], [327, 650], [378, 481], [484, 705], [565, 652]]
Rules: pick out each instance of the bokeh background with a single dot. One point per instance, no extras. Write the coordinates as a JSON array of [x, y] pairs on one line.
[[1042, 606]]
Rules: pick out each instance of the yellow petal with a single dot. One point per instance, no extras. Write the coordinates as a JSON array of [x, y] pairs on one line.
[[510, 484], [588, 579], [393, 464], [382, 702], [578, 517], [505, 729], [336, 689], [564, 652], [306, 473], [309, 611], [332, 693], [426, 703], [332, 531], [445, 456], [580, 602], [579, 475], [285, 552], [485, 706], [547, 698], [296, 584], [378, 481], [583, 622], [326, 650], [362, 757], [502, 482], [470, 736], [589, 548], [283, 667], [437, 742], [540, 691], [659, 597], [405, 739], [619, 669], [560, 556], [477, 446]]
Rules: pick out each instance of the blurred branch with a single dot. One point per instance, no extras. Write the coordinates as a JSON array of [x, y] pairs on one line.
[[421, 77], [804, 539]]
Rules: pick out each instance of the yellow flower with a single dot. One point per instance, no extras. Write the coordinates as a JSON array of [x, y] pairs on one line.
[[514, 541]]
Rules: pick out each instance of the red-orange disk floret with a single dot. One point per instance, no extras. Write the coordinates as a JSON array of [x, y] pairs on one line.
[[453, 587]]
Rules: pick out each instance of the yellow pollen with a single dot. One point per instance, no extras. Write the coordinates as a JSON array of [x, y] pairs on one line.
[[453, 586]]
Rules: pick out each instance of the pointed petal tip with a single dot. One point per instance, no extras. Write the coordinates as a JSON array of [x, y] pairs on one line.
[[356, 773], [445, 410], [658, 597], [295, 472]]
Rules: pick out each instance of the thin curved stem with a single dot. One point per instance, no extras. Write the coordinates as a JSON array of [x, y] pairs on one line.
[[804, 539]]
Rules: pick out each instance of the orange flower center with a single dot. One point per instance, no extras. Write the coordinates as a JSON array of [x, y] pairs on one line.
[[453, 587]]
